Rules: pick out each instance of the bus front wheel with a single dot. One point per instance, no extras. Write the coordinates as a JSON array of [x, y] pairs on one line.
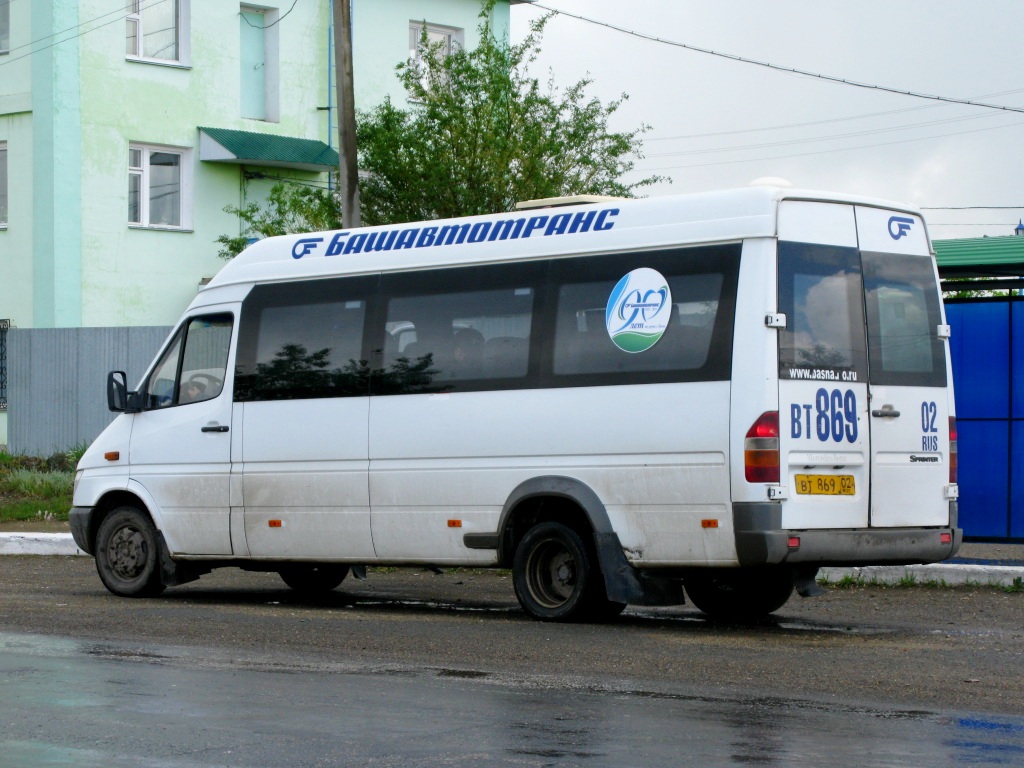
[[557, 578], [741, 594], [127, 554]]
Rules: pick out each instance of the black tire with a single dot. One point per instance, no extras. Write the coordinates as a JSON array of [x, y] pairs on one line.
[[312, 578], [742, 594], [128, 554], [557, 578]]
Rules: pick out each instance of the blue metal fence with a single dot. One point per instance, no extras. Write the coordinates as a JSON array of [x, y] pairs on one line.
[[987, 348]]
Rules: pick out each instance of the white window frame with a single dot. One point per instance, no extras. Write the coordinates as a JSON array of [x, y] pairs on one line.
[[454, 39], [135, 18], [143, 173], [5, 196]]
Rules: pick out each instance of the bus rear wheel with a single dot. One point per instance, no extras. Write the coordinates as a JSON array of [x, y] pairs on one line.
[[311, 579], [742, 594], [557, 578]]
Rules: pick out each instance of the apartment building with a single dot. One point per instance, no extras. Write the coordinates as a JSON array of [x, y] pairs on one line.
[[127, 126]]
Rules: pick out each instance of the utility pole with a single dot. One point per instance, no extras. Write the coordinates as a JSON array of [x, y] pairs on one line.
[[348, 176]]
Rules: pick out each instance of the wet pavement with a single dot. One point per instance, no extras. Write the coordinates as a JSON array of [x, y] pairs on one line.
[[84, 703]]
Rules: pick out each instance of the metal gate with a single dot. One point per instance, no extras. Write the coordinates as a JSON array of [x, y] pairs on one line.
[[987, 348]]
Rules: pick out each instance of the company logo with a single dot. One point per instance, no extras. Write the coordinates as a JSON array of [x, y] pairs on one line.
[[638, 310], [304, 246], [899, 226], [468, 232], [924, 459]]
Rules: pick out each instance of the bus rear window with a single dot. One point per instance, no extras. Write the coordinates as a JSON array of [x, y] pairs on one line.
[[903, 318], [820, 294]]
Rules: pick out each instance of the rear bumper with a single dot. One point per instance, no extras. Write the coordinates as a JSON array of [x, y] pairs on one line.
[[761, 540]]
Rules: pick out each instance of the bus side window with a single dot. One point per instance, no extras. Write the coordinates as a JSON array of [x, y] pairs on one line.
[[194, 366]]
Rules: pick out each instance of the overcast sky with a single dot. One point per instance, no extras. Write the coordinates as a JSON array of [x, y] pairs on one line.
[[717, 123]]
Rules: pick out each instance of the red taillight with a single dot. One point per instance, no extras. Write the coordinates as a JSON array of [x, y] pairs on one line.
[[952, 450], [761, 449]]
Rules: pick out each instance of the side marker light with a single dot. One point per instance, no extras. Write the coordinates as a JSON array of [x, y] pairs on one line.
[[275, 523], [708, 523], [112, 455], [794, 542]]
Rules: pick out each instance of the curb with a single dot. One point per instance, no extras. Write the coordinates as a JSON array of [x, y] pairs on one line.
[[38, 544], [941, 574], [937, 573]]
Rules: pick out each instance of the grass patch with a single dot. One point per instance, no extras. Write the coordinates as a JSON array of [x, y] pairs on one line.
[[37, 488], [910, 581]]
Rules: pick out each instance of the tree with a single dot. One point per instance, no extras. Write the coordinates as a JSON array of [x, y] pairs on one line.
[[289, 208], [482, 134]]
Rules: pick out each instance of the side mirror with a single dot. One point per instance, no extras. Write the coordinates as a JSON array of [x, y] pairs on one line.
[[119, 399]]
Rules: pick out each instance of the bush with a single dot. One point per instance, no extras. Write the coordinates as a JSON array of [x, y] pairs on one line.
[[38, 487]]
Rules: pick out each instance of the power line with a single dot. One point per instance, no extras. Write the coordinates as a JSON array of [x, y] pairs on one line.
[[826, 151], [780, 68], [852, 134], [813, 123], [268, 26]]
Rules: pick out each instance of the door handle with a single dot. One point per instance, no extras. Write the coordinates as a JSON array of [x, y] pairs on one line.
[[214, 428], [886, 412]]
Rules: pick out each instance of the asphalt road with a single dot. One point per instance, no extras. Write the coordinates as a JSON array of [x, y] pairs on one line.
[[948, 649]]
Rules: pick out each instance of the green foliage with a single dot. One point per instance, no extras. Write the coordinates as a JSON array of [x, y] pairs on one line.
[[38, 487], [483, 134], [289, 208], [36, 484]]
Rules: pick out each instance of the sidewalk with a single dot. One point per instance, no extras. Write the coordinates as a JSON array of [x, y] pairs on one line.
[[984, 564]]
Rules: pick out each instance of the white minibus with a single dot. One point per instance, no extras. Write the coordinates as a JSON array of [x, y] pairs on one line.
[[617, 400]]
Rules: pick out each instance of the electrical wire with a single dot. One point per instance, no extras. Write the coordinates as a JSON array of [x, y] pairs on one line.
[[268, 26], [780, 68], [826, 151]]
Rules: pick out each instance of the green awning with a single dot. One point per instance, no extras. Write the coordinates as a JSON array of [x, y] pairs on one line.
[[222, 145], [981, 256]]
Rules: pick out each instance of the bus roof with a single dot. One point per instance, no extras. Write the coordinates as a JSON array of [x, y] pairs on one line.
[[607, 226]]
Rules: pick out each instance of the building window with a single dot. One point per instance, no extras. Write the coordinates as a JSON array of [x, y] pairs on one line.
[[158, 182], [157, 31], [5, 27], [259, 76], [3, 185], [445, 40]]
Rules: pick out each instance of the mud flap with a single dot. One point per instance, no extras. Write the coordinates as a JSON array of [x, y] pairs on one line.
[[173, 573], [626, 584]]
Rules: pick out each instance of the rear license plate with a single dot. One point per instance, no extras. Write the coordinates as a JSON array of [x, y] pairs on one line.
[[825, 485]]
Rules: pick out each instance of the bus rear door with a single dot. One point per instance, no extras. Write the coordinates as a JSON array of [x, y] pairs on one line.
[[907, 359], [823, 383]]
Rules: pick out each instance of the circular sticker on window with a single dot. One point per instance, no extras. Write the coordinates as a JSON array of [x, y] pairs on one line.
[[638, 310]]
